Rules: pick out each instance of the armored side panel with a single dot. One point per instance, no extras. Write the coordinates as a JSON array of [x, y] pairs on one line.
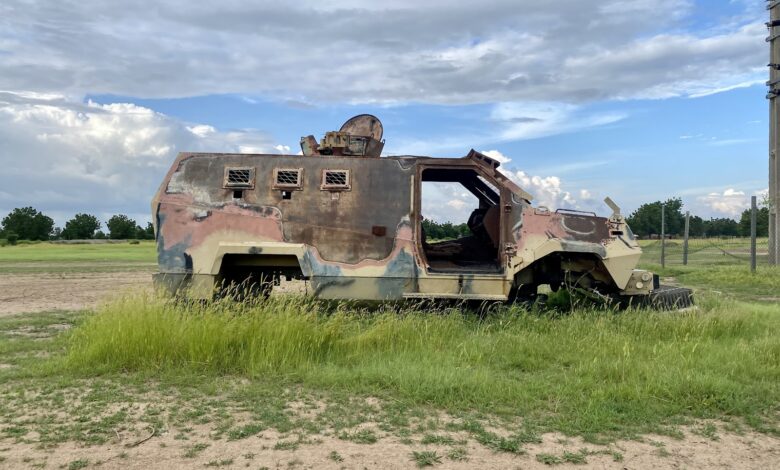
[[351, 226], [327, 213]]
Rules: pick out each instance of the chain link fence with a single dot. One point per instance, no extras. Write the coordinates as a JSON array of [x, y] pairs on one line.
[[705, 251]]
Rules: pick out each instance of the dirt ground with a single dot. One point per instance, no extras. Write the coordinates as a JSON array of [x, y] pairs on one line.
[[37, 292], [748, 451], [21, 293]]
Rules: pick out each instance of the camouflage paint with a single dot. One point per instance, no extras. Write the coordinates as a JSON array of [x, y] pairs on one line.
[[362, 242]]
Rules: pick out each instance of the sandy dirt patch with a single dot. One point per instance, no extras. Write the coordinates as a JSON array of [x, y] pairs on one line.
[[21, 293], [731, 451]]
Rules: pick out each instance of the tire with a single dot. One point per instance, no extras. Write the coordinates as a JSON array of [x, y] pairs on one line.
[[663, 298]]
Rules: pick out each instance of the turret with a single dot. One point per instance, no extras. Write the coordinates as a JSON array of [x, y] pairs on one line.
[[360, 136]]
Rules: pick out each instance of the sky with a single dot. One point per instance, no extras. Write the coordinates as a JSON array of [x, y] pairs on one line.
[[639, 100]]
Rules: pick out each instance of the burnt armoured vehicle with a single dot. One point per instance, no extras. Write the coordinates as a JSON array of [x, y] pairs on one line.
[[349, 222]]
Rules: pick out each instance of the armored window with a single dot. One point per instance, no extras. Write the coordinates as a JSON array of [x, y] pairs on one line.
[[335, 180], [288, 178], [243, 178]]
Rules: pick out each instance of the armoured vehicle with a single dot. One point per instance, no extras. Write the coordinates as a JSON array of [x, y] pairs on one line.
[[349, 222]]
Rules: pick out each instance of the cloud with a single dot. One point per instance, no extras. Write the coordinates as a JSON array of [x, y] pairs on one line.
[[532, 120], [730, 202], [496, 155], [65, 157], [513, 121], [546, 190], [457, 204], [390, 52], [728, 142]]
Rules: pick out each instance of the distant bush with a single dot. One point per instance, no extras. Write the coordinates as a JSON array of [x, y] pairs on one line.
[[3, 242], [134, 242], [27, 242], [12, 237]]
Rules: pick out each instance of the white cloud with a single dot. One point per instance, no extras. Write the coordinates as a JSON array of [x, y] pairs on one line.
[[64, 157], [532, 120], [457, 204], [546, 190], [730, 202], [283, 149], [390, 52], [496, 155]]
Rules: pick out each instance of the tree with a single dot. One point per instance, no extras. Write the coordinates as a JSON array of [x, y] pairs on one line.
[[28, 224], [121, 226], [762, 223], [646, 220], [696, 227], [11, 237], [149, 231], [721, 227], [81, 226], [100, 235], [444, 231]]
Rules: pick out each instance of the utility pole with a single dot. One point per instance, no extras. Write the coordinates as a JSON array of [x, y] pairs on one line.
[[774, 128], [685, 240], [663, 235], [753, 213]]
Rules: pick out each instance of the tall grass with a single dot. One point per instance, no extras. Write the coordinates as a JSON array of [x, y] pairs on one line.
[[588, 372]]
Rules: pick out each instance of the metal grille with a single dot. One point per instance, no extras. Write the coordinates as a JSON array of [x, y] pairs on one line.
[[337, 178], [239, 178], [288, 177]]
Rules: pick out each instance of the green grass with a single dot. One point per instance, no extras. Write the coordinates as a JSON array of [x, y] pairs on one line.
[[51, 257], [735, 281], [592, 373], [145, 251]]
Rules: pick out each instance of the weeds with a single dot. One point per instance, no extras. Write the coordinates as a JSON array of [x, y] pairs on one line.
[[586, 373], [425, 458], [363, 436], [457, 454]]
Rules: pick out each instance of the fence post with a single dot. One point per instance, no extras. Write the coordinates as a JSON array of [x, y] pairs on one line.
[[753, 211], [685, 240], [663, 236]]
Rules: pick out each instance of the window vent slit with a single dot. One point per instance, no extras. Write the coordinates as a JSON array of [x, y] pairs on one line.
[[335, 179], [239, 178]]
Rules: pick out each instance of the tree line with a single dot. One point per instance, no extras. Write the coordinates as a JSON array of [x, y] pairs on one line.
[[27, 223], [646, 222]]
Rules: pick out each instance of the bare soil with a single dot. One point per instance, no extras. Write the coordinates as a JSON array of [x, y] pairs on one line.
[[24, 293], [730, 451]]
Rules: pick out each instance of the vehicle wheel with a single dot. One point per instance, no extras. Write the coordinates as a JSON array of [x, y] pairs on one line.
[[663, 298]]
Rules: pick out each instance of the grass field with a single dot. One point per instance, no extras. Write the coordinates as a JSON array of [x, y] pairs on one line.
[[448, 386], [51, 257]]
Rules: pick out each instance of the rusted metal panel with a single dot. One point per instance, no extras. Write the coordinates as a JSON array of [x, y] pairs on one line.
[[358, 234]]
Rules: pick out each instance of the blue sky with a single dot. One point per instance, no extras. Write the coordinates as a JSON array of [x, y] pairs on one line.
[[638, 100]]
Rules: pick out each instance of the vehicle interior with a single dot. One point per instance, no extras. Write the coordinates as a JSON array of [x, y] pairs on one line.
[[477, 251]]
